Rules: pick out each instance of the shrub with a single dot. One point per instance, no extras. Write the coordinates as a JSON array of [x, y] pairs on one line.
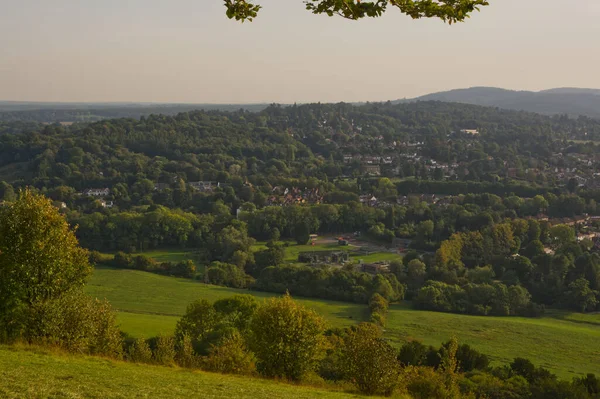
[[378, 306], [140, 352], [165, 351], [369, 361], [286, 338], [230, 356], [184, 352], [76, 323]]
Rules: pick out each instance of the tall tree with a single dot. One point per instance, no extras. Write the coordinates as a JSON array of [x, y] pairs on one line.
[[40, 258], [286, 338]]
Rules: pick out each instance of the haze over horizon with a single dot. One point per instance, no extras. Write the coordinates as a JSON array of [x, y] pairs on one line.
[[189, 52]]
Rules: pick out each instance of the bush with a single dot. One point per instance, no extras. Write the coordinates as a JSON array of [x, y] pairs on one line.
[[76, 323], [230, 356], [123, 261], [184, 352], [286, 338], [378, 306], [165, 351], [226, 274], [369, 361], [426, 383], [140, 352]]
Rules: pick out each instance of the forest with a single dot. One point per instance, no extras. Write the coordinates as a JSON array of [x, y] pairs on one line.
[[494, 229], [487, 212]]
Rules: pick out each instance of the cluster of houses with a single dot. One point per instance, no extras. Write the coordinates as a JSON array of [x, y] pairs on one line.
[[283, 196], [437, 199], [338, 258]]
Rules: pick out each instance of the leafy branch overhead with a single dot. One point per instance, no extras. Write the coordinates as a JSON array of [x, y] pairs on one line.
[[449, 11]]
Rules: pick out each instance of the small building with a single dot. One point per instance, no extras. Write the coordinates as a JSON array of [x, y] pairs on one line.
[[376, 268], [315, 257], [374, 170], [96, 192], [106, 204], [472, 132], [204, 186], [401, 243]]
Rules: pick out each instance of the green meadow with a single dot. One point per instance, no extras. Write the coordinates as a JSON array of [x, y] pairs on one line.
[[566, 343], [34, 373]]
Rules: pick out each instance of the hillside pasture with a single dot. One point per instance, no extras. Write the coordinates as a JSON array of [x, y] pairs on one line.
[[564, 342], [38, 373]]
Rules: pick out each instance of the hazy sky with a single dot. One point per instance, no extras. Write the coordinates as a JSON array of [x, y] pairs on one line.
[[188, 51]]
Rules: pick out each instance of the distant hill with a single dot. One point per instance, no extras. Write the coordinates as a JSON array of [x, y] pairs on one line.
[[572, 101], [91, 112]]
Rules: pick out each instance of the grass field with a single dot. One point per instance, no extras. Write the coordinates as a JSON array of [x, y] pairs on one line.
[[150, 304], [34, 374], [566, 343]]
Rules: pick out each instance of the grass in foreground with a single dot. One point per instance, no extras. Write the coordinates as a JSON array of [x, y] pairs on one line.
[[566, 343], [38, 374]]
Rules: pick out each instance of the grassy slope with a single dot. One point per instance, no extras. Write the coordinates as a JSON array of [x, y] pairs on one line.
[[34, 374], [151, 304], [566, 343]]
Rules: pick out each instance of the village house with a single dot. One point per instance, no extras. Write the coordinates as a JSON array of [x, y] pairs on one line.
[[375, 268], [374, 170], [317, 257], [96, 192], [203, 186], [105, 204], [369, 199]]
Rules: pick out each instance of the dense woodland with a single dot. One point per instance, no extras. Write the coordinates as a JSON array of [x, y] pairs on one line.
[[495, 240], [494, 229]]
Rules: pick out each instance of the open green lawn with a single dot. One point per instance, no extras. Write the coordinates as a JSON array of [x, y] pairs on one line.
[[142, 298], [35, 374], [567, 343]]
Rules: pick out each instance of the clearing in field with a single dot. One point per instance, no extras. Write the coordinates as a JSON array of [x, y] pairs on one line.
[[376, 253], [564, 342]]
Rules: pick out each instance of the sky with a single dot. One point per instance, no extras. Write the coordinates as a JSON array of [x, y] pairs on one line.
[[187, 51]]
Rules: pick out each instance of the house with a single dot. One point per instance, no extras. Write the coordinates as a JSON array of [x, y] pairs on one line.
[[374, 170], [96, 192], [105, 204], [161, 186], [401, 243], [315, 257], [587, 236], [472, 132], [370, 200], [204, 186], [375, 268], [60, 205]]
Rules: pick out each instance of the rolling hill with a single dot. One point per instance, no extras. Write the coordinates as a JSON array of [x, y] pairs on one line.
[[564, 342], [571, 101]]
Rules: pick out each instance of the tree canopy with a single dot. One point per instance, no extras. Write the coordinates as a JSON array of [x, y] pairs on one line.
[[450, 11]]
